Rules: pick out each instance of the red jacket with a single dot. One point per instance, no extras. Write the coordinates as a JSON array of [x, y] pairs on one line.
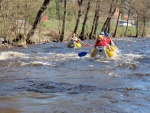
[[107, 40], [101, 42]]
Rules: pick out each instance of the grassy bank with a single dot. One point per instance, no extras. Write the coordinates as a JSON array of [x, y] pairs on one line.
[[54, 24]]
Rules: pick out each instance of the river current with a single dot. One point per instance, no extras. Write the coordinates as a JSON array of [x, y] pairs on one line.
[[51, 78]]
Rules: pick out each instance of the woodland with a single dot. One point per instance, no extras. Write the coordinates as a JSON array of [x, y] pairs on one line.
[[38, 21]]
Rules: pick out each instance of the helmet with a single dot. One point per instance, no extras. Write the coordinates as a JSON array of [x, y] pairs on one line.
[[107, 34], [102, 33], [100, 37]]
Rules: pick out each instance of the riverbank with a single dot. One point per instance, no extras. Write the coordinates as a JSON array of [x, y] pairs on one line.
[[41, 36], [46, 37]]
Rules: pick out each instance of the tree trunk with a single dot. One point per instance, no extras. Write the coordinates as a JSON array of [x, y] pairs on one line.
[[108, 28], [144, 24], [58, 15], [111, 12], [95, 21], [38, 18], [127, 22], [104, 28], [93, 26], [137, 28], [64, 21], [104, 25], [114, 35], [82, 37], [116, 25], [96, 24], [79, 15], [106, 22], [97, 17]]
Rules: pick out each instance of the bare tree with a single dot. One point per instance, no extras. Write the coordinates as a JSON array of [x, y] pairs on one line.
[[37, 20], [125, 34], [95, 20], [58, 14], [91, 35], [117, 24], [82, 34], [80, 2], [15, 16], [112, 9], [128, 8], [140, 9], [97, 16], [137, 24], [145, 14], [135, 11], [64, 21]]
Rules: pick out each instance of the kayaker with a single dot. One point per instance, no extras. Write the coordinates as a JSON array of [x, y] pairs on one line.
[[100, 41], [107, 39], [75, 38], [75, 41]]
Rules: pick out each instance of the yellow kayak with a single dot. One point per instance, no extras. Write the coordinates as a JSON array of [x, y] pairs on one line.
[[73, 44], [103, 52], [93, 52], [111, 53], [77, 45]]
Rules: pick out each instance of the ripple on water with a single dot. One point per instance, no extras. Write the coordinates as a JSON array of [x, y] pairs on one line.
[[129, 65]]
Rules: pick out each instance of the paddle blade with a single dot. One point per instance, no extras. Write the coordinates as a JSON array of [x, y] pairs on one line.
[[86, 45], [82, 54]]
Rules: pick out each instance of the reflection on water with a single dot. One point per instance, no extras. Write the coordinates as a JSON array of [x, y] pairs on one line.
[[51, 78]]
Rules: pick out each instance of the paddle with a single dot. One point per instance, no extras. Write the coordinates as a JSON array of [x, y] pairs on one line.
[[86, 45], [112, 42], [82, 54], [92, 53]]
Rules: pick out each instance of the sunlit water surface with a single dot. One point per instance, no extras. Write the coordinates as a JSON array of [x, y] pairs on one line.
[[52, 78]]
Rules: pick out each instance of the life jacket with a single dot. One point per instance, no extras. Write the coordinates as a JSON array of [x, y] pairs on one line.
[[101, 42], [76, 39], [107, 40]]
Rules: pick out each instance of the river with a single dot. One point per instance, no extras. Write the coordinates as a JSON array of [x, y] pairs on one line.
[[51, 78]]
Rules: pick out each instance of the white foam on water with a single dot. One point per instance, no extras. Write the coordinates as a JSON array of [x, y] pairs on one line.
[[24, 64], [133, 55], [11, 54], [53, 57], [113, 74], [63, 56], [40, 62], [2, 76]]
